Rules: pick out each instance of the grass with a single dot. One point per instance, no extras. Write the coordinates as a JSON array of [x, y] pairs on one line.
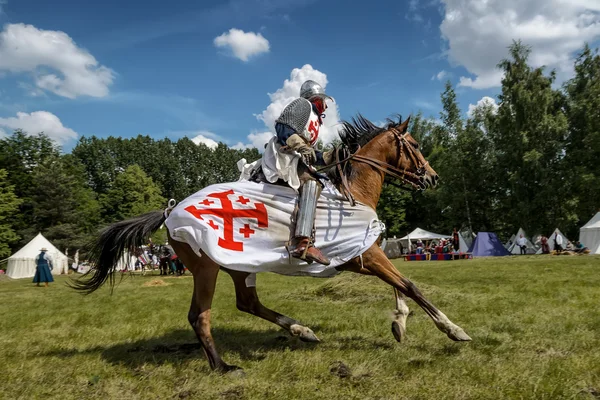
[[534, 320]]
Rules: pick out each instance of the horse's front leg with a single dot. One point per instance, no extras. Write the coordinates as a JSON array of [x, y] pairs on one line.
[[400, 316], [400, 313], [379, 265]]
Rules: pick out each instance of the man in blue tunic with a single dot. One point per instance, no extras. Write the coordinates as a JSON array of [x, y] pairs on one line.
[[43, 267]]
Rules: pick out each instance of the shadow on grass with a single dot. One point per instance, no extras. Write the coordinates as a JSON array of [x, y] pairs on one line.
[[180, 346]]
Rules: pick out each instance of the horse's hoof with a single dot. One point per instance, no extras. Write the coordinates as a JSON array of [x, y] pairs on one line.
[[237, 372], [305, 334], [459, 335], [398, 331]]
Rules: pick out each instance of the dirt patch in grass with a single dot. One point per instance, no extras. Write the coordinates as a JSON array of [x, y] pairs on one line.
[[156, 282]]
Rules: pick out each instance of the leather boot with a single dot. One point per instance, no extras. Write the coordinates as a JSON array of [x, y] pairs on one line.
[[300, 245]]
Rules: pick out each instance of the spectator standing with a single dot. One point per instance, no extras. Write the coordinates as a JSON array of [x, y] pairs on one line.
[[43, 267]]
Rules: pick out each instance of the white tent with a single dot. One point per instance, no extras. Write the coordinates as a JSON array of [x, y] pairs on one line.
[[589, 234], [510, 242], [530, 248], [22, 263], [552, 240], [426, 235]]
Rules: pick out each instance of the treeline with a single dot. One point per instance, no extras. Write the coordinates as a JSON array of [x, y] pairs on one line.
[[531, 162], [68, 197]]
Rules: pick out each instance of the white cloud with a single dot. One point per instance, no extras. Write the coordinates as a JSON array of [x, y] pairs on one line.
[[440, 75], [479, 32], [205, 138], [56, 62], [242, 44], [484, 103], [37, 122]]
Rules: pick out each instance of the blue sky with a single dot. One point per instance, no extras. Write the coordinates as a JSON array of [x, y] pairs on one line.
[[158, 71]]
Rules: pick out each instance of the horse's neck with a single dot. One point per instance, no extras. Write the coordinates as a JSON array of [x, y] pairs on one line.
[[367, 182]]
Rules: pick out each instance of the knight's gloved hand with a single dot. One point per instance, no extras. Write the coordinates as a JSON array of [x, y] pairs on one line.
[[298, 144]]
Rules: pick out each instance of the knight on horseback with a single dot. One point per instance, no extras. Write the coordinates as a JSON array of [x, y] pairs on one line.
[[291, 156]]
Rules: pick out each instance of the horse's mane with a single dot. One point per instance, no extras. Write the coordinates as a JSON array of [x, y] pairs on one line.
[[355, 134], [361, 131]]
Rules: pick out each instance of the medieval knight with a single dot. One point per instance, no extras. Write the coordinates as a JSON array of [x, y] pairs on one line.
[[290, 156]]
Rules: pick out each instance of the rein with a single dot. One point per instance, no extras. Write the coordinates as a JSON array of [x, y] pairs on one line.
[[393, 171]]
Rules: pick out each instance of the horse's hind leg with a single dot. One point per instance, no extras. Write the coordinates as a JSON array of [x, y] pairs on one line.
[[376, 261], [247, 301], [205, 273]]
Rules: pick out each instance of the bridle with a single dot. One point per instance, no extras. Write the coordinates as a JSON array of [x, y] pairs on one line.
[[394, 172]]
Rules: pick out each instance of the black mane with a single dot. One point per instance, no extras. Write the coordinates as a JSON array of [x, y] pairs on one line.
[[361, 131], [353, 135]]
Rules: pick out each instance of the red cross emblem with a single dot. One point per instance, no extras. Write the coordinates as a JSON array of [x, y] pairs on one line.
[[227, 213]]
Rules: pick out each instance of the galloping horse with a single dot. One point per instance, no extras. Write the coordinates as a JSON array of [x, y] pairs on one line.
[[368, 153]]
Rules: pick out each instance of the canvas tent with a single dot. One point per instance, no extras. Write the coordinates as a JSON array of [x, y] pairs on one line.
[[530, 248], [589, 234], [487, 244], [22, 263], [552, 238], [427, 236]]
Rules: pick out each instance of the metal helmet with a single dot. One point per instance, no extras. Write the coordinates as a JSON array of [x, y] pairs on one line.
[[310, 89]]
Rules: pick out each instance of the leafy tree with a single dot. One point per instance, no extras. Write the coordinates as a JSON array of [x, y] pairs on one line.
[[583, 143], [20, 154], [9, 204], [528, 142], [132, 193], [64, 206]]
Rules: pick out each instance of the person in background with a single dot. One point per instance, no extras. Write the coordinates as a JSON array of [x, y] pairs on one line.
[[570, 246], [455, 241], [579, 247], [522, 243], [419, 247], [545, 247], [43, 267], [558, 243]]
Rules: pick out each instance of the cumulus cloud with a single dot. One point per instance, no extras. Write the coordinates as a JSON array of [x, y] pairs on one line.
[[440, 75], [39, 122], [205, 138], [484, 103], [243, 45], [58, 65], [255, 139], [479, 32]]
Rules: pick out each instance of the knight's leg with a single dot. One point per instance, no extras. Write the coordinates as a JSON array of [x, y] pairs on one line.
[[375, 261], [302, 244], [247, 301]]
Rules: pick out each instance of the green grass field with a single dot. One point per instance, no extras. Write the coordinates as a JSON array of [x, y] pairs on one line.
[[534, 320]]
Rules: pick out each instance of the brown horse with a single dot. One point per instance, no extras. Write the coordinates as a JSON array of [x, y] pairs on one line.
[[375, 153]]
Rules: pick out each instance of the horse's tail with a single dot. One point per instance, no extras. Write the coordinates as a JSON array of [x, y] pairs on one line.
[[105, 252]]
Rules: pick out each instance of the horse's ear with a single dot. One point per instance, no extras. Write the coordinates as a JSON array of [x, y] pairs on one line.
[[403, 127]]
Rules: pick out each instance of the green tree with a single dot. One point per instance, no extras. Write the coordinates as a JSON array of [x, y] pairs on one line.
[[583, 144], [9, 205], [64, 206], [528, 142], [132, 193], [20, 154]]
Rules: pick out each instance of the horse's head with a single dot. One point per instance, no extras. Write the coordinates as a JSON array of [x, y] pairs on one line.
[[405, 155]]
